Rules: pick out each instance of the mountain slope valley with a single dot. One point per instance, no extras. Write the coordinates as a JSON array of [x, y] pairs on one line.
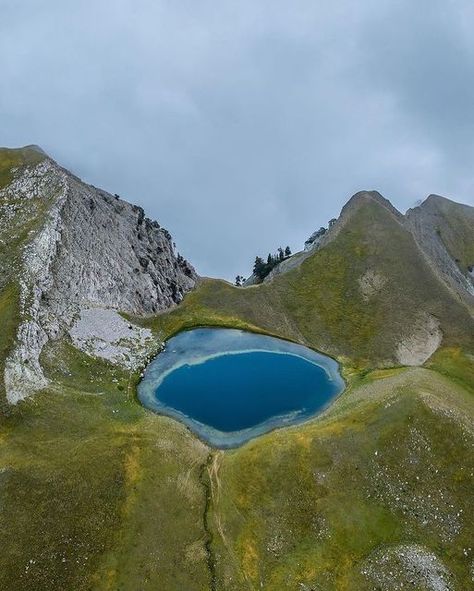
[[98, 493]]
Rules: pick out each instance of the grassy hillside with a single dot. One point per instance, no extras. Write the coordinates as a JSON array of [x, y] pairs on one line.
[[316, 507], [96, 493], [358, 298]]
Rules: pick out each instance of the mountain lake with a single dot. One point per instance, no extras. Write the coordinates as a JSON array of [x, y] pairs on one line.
[[229, 386]]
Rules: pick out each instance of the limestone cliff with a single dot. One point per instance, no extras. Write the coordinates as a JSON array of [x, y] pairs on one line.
[[89, 250], [444, 230]]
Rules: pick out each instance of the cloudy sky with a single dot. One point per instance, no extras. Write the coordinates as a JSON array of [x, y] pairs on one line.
[[245, 124]]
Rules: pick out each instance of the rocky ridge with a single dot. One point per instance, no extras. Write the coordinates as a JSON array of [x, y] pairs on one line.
[[428, 225], [424, 222], [92, 250]]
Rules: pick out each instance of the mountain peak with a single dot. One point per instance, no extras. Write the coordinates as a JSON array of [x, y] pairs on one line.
[[362, 198], [35, 148], [89, 250]]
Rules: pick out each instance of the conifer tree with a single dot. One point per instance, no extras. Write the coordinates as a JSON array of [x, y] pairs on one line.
[[259, 267]]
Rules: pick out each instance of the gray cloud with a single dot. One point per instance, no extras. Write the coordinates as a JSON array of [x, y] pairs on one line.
[[244, 125]]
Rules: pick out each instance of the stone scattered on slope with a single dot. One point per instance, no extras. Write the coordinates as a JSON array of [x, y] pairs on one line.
[[407, 566], [104, 333], [92, 250]]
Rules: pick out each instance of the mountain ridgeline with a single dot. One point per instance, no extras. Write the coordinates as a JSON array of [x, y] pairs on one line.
[[370, 293], [99, 493], [67, 246]]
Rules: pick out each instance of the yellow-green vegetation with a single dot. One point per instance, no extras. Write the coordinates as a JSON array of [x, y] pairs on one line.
[[390, 463], [15, 158], [96, 493], [325, 302], [9, 315], [456, 364]]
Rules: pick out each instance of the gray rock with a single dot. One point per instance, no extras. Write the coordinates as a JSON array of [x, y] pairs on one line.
[[428, 223], [93, 250]]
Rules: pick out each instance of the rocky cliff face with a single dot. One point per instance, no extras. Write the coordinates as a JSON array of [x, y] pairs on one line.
[[91, 250], [444, 231]]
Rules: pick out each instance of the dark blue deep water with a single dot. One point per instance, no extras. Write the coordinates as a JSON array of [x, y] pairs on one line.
[[229, 386], [235, 392]]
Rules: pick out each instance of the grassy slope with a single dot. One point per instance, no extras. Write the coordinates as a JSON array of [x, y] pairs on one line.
[[101, 494], [96, 493], [455, 224], [305, 508], [321, 305]]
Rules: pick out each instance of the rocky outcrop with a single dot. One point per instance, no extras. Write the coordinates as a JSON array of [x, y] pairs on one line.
[[441, 229], [93, 250], [424, 339]]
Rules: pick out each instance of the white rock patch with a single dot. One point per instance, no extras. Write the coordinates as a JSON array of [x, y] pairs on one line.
[[370, 283], [23, 374], [425, 338], [407, 567], [105, 334]]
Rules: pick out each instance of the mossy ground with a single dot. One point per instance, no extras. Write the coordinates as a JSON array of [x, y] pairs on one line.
[[321, 304], [96, 493]]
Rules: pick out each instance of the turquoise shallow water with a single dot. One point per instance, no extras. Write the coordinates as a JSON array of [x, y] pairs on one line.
[[229, 386]]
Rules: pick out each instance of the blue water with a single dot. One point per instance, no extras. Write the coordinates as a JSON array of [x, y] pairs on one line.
[[229, 386]]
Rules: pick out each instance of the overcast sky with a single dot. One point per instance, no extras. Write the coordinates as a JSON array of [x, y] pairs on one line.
[[244, 125]]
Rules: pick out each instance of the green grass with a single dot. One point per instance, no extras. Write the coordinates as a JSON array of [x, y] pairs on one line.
[[10, 318], [456, 364], [101, 494], [307, 506], [16, 158], [320, 303], [96, 493]]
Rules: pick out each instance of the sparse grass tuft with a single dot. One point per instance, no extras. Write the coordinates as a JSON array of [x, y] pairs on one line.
[[11, 158]]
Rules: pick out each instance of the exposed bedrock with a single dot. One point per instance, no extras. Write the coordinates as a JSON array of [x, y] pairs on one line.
[[92, 250]]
